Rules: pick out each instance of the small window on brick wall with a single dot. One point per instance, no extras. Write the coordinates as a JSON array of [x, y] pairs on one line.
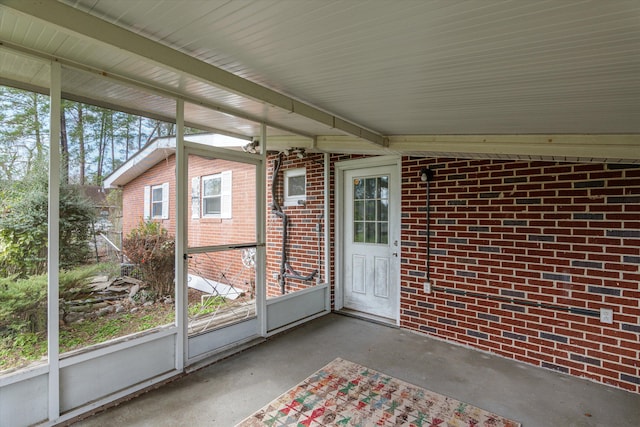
[[211, 196], [156, 201], [295, 186]]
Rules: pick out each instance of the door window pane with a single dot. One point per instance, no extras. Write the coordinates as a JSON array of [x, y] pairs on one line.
[[383, 210], [358, 210], [370, 233], [370, 188], [371, 210], [358, 232], [358, 189]]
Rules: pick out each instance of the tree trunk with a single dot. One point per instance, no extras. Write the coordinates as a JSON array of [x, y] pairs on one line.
[[36, 125], [139, 133], [81, 148], [64, 148], [113, 148], [102, 143]]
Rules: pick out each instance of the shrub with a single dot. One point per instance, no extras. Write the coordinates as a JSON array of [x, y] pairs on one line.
[[152, 248], [23, 302], [24, 228]]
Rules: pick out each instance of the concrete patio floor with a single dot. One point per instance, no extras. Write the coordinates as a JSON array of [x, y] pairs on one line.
[[224, 393]]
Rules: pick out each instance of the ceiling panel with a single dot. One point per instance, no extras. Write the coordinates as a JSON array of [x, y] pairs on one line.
[[416, 67], [420, 67]]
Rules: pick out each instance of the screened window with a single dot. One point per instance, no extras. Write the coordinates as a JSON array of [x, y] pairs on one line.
[[371, 210]]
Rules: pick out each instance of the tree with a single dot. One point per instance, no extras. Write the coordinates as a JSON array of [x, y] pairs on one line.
[[24, 228], [23, 130], [94, 141]]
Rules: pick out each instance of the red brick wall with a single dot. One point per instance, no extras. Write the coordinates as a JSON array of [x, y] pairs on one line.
[[523, 233], [133, 195], [303, 239], [561, 234], [225, 267]]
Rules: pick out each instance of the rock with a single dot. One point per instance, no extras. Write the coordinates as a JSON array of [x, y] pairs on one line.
[[80, 308], [168, 300], [105, 310], [74, 317], [100, 305], [99, 283], [134, 309], [148, 304], [134, 290], [119, 308]]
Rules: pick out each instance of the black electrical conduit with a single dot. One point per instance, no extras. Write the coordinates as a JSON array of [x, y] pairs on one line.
[[286, 271], [426, 175]]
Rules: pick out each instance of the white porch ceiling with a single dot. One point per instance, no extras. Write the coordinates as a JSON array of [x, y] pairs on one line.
[[505, 79]]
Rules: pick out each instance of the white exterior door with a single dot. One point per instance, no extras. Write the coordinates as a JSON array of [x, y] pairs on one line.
[[371, 249]]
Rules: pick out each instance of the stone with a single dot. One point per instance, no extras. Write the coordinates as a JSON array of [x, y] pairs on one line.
[[134, 290], [74, 317], [105, 310]]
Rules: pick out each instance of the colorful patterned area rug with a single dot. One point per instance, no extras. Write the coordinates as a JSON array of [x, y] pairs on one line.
[[344, 393]]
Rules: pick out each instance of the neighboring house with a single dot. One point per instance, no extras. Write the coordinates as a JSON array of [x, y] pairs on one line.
[[221, 209], [107, 236], [103, 208]]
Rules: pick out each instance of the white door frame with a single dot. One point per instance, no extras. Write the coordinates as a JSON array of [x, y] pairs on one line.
[[204, 346], [394, 229]]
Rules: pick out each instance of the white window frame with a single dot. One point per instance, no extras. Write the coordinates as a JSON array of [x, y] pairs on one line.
[[225, 196], [203, 204], [294, 199], [149, 202]]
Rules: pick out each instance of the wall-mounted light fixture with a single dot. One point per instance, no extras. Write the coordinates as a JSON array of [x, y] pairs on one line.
[[426, 174]]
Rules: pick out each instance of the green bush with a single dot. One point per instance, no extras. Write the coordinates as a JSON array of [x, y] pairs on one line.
[[24, 226], [23, 302], [152, 249]]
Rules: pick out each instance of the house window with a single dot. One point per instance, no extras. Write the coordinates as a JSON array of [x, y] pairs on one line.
[[295, 186], [156, 201], [211, 196]]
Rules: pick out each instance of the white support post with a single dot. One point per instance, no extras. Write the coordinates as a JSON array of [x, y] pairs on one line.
[[327, 234], [181, 239], [261, 227], [53, 252]]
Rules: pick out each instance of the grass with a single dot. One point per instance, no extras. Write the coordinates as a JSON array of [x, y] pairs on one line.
[[21, 349], [208, 306], [27, 347]]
